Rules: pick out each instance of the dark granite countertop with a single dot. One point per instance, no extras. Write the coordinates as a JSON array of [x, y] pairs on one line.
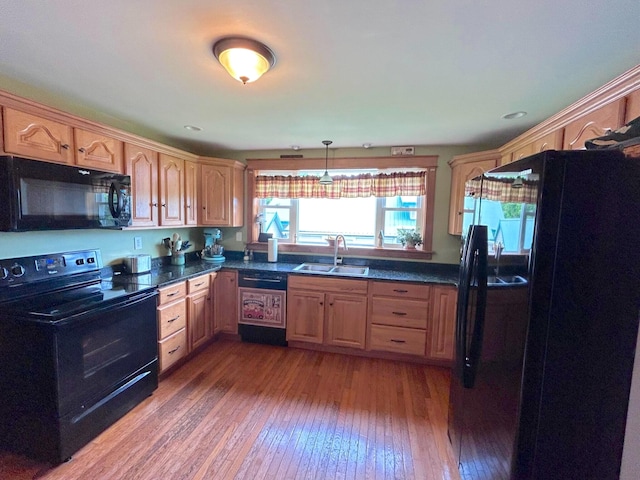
[[163, 274]]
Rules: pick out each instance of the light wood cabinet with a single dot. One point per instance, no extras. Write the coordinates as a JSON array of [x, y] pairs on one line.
[[171, 190], [632, 110], [97, 151], [222, 194], [215, 324], [142, 165], [550, 141], [172, 325], [463, 168], [191, 182], [442, 324], [32, 136], [199, 328], [330, 311], [597, 123], [398, 315], [226, 299]]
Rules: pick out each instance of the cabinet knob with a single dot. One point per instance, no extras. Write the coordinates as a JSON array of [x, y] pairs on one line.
[[188, 206], [154, 204], [459, 213], [81, 149], [65, 146], [163, 205]]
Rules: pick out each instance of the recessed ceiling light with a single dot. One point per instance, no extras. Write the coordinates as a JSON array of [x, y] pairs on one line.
[[366, 145], [295, 147], [511, 116], [193, 128]]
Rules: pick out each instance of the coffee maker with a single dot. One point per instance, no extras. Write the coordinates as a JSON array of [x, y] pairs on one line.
[[212, 251]]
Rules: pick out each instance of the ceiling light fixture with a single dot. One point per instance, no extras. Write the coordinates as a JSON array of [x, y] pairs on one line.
[[295, 147], [326, 178], [245, 59], [366, 145], [193, 128], [514, 115]]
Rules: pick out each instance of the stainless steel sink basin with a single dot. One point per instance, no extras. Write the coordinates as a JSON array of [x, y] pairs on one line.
[[505, 280], [326, 269]]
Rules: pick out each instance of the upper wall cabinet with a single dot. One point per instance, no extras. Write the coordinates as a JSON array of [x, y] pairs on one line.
[[97, 151], [463, 168], [633, 107], [36, 137], [171, 188], [222, 194], [142, 165], [191, 182], [597, 123], [550, 141]]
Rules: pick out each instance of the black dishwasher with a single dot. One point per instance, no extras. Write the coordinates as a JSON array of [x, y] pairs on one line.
[[262, 307]]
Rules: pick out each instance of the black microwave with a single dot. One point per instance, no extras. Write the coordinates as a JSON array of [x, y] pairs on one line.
[[38, 195]]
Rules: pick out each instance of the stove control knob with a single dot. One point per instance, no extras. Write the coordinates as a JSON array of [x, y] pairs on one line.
[[17, 270], [4, 273]]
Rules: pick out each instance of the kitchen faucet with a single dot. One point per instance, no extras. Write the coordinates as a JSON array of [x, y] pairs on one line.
[[336, 245], [497, 249]]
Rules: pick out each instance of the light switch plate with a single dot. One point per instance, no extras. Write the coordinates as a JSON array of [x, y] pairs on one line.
[[238, 236], [137, 243]]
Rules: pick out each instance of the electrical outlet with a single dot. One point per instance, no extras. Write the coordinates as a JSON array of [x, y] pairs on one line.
[[239, 236], [137, 243], [399, 151]]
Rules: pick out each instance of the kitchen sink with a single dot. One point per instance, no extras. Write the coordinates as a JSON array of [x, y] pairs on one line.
[[326, 269], [505, 280]]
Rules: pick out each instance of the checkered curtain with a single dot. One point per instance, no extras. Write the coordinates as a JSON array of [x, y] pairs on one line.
[[502, 190], [364, 185]]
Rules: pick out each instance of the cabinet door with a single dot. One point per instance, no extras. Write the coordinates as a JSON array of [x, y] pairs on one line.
[[214, 325], [594, 124], [142, 165], [198, 319], [459, 175], [171, 188], [441, 331], [191, 178], [216, 195], [226, 294], [346, 320], [305, 316], [98, 151], [633, 106], [36, 137]]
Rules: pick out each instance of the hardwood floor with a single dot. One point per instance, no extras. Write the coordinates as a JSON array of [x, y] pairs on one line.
[[245, 411]]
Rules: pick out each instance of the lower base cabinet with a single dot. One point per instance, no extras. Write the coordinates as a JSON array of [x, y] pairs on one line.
[[442, 325], [199, 311], [172, 325], [226, 301]]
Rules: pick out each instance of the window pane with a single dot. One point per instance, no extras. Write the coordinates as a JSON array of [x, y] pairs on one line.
[[401, 202], [352, 217], [276, 222]]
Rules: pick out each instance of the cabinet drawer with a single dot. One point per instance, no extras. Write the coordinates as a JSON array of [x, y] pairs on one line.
[[171, 318], [172, 349], [172, 292], [400, 313], [399, 289], [198, 283], [397, 339]]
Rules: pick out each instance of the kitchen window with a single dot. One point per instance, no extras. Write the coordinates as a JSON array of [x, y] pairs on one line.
[[303, 221]]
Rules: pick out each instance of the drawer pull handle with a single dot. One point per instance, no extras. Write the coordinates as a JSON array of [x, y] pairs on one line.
[[398, 341], [398, 290], [81, 150], [198, 284], [173, 319], [399, 313], [171, 352], [173, 294], [65, 146]]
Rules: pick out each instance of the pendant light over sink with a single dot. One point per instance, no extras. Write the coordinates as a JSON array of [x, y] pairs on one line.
[[326, 178]]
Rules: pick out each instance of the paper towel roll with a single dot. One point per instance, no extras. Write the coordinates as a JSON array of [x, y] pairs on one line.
[[272, 250]]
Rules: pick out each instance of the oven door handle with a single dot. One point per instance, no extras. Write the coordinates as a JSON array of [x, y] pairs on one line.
[[268, 280]]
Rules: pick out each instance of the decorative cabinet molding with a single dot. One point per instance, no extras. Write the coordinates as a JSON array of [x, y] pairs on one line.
[[142, 165], [35, 137], [463, 168], [97, 151], [171, 188]]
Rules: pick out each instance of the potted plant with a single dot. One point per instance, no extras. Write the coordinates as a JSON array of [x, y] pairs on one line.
[[409, 238]]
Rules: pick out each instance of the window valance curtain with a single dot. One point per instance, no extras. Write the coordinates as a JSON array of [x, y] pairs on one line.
[[363, 185], [502, 190]]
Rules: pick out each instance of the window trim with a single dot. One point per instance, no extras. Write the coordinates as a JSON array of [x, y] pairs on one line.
[[427, 162]]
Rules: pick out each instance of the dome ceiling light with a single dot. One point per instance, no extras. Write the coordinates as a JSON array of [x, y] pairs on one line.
[[245, 59], [326, 178]]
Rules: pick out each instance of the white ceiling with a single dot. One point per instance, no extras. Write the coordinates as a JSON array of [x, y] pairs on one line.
[[386, 72]]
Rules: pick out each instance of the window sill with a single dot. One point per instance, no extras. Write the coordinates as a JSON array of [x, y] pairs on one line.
[[416, 254]]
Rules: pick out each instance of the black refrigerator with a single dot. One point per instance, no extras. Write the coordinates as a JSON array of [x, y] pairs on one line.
[[547, 319]]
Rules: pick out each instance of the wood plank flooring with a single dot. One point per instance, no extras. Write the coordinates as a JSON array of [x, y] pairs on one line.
[[245, 411]]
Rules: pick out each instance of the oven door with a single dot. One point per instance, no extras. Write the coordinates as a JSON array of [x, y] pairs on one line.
[[99, 350]]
